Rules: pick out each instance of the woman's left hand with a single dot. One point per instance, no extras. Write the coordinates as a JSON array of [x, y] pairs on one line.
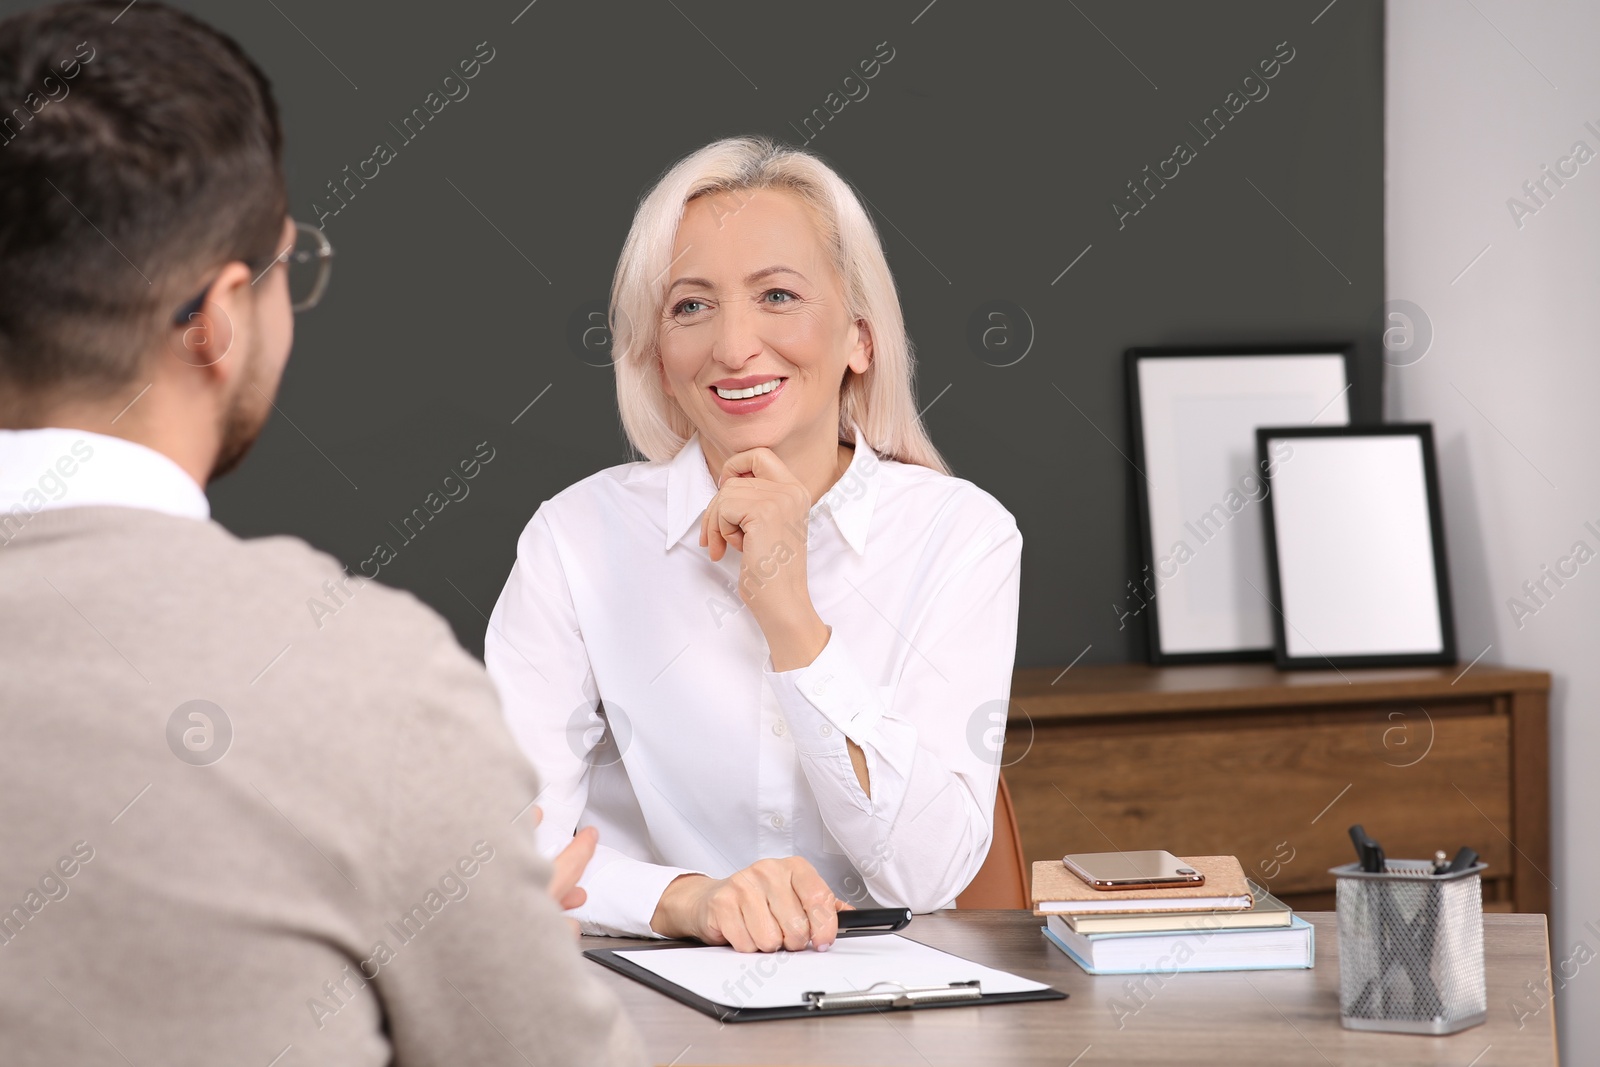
[[763, 511]]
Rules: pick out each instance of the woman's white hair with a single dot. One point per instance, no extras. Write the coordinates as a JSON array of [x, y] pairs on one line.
[[879, 401]]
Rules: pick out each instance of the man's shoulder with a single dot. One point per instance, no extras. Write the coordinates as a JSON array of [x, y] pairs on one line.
[[315, 637], [343, 604], [198, 582], [285, 567]]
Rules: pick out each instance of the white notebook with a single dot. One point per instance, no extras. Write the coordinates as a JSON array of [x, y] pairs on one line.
[[1177, 951], [782, 979]]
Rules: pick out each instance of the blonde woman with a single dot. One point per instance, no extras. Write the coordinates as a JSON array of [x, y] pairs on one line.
[[789, 614]]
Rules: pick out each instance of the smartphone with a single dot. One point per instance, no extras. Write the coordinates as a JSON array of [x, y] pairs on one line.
[[1132, 870]]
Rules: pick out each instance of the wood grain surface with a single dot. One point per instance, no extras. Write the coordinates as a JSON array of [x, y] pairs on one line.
[[1195, 1020]]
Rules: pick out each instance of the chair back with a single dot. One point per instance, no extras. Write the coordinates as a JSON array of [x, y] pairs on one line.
[[1002, 881]]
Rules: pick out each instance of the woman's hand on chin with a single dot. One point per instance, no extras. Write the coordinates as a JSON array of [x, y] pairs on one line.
[[762, 510], [770, 905]]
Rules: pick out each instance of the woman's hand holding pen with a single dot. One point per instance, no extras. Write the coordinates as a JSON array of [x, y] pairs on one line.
[[770, 905], [762, 510]]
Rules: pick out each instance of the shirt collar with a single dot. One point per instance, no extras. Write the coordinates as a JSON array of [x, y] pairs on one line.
[[849, 503], [51, 468]]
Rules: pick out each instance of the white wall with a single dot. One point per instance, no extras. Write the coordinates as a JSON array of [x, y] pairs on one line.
[[1479, 97]]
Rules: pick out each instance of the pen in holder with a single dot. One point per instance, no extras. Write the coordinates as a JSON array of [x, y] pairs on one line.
[[1411, 947]]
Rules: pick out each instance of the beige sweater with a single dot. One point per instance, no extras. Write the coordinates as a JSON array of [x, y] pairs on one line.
[[352, 882]]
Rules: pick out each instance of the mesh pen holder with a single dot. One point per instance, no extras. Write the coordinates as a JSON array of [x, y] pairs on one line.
[[1411, 948]]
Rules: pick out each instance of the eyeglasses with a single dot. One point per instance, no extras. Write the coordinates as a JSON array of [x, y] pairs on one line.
[[310, 262]]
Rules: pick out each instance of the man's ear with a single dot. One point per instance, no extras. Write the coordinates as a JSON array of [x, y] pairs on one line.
[[861, 351], [209, 335]]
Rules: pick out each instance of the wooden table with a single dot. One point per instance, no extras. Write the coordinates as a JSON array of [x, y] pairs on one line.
[[1189, 1020]]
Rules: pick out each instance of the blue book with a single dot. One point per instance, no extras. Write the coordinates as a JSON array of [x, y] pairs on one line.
[[1292, 947]]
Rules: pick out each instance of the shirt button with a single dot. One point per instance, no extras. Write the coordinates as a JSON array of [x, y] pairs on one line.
[[778, 728], [777, 822], [825, 730]]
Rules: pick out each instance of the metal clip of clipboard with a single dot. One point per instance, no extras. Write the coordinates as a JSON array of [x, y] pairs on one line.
[[898, 997]]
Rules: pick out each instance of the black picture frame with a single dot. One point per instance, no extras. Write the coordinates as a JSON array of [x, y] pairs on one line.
[[1444, 605], [1138, 483]]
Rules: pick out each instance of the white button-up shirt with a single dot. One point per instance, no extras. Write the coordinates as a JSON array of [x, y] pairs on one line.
[[702, 758]]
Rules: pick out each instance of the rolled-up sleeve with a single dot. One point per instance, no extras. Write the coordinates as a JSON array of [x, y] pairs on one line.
[[923, 832]]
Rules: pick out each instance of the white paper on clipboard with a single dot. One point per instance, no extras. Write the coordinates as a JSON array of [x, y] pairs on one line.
[[782, 979]]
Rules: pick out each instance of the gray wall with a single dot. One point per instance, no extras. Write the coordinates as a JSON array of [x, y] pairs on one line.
[[1510, 383], [991, 147]]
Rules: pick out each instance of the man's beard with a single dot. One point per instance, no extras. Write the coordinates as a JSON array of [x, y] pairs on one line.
[[241, 425]]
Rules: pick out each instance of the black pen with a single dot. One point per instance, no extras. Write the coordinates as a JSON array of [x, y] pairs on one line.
[[867, 918], [1368, 851]]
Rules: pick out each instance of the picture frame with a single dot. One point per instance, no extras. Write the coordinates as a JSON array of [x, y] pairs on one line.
[[1355, 547], [1193, 412]]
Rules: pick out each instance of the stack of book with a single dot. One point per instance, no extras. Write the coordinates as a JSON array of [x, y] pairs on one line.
[[1227, 924]]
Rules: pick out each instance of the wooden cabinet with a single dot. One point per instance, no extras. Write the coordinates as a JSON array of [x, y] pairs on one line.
[[1273, 766]]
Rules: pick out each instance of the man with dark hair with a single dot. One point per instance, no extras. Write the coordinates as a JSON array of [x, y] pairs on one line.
[[227, 834]]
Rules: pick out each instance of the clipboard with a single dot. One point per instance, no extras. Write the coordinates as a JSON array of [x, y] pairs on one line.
[[887, 994]]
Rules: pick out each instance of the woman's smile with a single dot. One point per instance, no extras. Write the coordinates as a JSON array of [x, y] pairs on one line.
[[742, 396]]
